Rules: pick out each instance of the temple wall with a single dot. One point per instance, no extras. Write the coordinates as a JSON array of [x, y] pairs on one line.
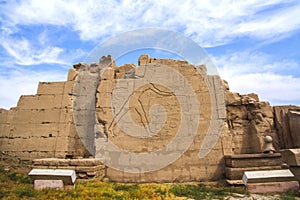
[[79, 117], [41, 125]]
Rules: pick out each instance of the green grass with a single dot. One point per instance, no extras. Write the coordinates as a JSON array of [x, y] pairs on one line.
[[15, 185]]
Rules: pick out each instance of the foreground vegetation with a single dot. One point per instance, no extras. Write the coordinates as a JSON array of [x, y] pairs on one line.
[[17, 186]]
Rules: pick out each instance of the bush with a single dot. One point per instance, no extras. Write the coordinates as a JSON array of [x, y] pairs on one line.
[[200, 191], [20, 178], [25, 191], [288, 196], [125, 187]]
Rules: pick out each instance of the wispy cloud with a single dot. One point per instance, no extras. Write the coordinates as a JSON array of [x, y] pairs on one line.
[[24, 52], [208, 22], [248, 72], [22, 82]]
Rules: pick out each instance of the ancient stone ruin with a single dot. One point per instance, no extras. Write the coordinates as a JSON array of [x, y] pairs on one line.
[[161, 121]]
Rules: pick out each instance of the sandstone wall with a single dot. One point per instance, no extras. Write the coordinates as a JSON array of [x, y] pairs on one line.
[[79, 117], [147, 86], [41, 125]]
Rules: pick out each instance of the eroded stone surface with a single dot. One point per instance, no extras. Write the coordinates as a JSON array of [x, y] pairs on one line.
[[66, 119]]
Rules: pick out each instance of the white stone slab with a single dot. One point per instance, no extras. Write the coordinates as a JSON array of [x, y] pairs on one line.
[[52, 184], [267, 176], [67, 176]]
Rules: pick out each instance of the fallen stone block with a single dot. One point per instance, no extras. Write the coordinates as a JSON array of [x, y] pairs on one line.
[[291, 156], [272, 187], [51, 184], [268, 176], [67, 176]]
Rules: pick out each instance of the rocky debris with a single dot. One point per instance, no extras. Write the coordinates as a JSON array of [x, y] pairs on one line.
[[249, 119]]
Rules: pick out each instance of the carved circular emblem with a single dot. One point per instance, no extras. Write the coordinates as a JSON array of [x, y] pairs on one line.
[[141, 119]]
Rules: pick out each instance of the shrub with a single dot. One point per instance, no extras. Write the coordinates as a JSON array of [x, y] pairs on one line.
[[19, 178], [25, 191]]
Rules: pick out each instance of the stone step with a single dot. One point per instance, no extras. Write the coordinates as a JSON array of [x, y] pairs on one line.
[[252, 160], [237, 173], [66, 162], [84, 168]]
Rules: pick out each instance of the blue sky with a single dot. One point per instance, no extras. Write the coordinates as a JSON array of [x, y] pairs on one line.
[[255, 44]]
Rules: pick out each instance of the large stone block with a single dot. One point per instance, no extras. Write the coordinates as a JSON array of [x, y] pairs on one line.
[[50, 184], [237, 173], [26, 130], [282, 126], [51, 88], [67, 176], [44, 101], [265, 176], [108, 74], [291, 156], [294, 125], [233, 99], [34, 116], [273, 187], [253, 160]]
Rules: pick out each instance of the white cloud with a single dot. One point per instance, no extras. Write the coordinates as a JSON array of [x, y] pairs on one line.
[[257, 72], [277, 89], [208, 22], [25, 53], [24, 82]]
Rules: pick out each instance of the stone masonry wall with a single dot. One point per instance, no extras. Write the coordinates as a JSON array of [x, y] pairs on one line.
[[122, 115], [41, 125], [78, 117]]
